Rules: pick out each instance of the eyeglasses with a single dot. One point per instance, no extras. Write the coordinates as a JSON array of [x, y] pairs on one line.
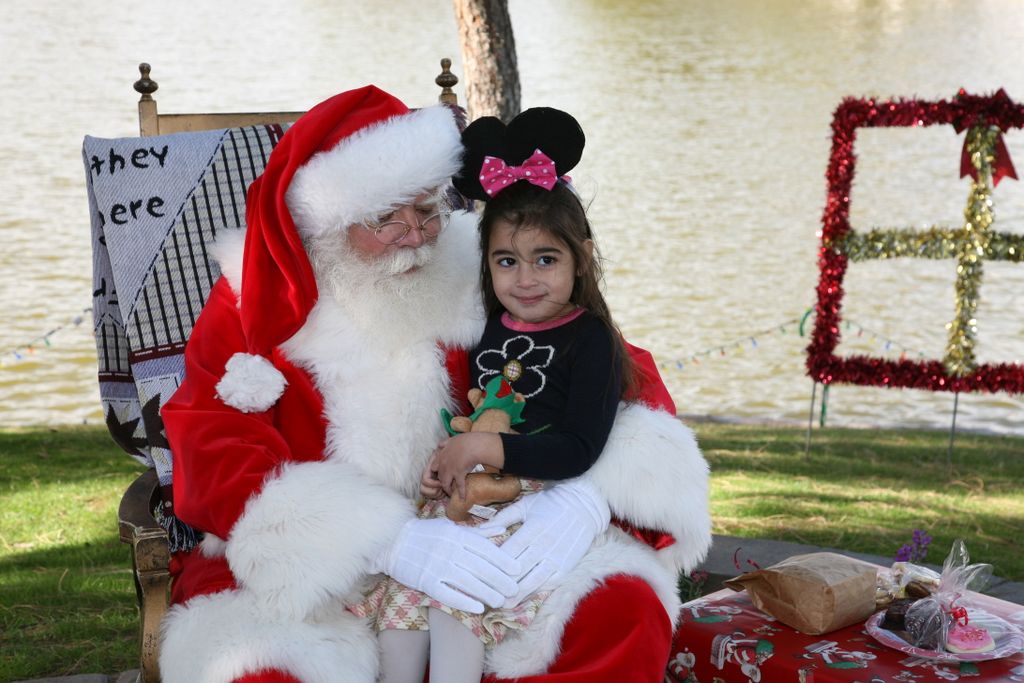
[[394, 230]]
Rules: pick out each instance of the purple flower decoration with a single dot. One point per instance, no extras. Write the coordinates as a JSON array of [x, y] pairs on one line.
[[916, 550]]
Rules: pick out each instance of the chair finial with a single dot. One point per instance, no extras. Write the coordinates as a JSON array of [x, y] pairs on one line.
[[145, 85], [446, 80]]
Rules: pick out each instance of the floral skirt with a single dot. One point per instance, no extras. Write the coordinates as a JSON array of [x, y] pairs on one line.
[[392, 605]]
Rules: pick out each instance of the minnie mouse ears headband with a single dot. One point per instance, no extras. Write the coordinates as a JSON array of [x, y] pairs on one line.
[[539, 146]]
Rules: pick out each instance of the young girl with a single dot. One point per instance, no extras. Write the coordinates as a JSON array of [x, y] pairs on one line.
[[550, 335]]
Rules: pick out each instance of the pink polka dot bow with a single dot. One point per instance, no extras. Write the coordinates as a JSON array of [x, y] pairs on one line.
[[496, 175]]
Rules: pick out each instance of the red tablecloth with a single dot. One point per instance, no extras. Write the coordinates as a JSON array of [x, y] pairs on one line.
[[723, 638]]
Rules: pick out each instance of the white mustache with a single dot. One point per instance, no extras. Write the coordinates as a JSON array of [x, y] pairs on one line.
[[341, 271], [404, 260]]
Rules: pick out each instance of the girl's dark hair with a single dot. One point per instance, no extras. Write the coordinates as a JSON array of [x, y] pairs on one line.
[[560, 213]]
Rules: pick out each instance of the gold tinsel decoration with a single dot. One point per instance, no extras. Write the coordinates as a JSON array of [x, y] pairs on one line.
[[970, 252], [970, 245], [934, 243]]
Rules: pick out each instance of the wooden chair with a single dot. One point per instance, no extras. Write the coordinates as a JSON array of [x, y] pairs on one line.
[[152, 123], [150, 559], [136, 515]]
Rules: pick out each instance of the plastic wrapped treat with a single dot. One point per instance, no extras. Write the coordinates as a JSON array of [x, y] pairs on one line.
[[904, 580], [926, 624], [949, 624], [929, 619], [914, 580]]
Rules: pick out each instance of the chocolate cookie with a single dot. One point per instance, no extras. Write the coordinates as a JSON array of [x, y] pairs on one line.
[[926, 627], [896, 614]]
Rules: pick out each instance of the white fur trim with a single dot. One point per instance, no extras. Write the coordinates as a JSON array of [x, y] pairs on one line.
[[533, 650], [212, 545], [654, 476], [218, 638], [250, 383], [374, 170], [227, 252], [311, 535], [464, 310]]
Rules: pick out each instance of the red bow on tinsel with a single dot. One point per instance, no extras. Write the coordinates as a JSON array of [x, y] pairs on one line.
[[496, 175], [1002, 166]]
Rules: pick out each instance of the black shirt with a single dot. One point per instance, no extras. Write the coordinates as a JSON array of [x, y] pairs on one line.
[[568, 373]]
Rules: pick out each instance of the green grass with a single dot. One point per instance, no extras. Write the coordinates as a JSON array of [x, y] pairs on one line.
[[67, 603], [66, 595], [867, 490]]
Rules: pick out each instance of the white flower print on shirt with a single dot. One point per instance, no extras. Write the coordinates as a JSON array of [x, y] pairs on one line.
[[520, 361]]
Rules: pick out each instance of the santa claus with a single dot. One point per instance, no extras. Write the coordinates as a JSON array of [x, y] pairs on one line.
[[314, 378]]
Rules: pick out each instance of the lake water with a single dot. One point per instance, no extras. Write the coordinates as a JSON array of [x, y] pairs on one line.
[[708, 137]]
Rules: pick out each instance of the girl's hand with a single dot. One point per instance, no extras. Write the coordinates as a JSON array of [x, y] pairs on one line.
[[430, 485], [454, 460], [459, 455]]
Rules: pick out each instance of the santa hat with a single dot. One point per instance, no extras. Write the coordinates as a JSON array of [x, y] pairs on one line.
[[348, 159]]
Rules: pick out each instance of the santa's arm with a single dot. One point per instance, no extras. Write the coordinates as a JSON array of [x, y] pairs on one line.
[[654, 478], [652, 473], [298, 528]]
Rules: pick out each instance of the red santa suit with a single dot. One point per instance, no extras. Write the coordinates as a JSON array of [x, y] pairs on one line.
[[306, 418]]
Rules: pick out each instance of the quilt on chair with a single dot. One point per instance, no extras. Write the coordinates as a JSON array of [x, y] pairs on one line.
[[156, 203]]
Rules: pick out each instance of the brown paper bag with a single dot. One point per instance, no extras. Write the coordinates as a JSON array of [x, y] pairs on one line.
[[814, 593]]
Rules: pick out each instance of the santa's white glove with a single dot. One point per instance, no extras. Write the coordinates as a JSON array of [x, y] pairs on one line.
[[559, 526], [451, 564]]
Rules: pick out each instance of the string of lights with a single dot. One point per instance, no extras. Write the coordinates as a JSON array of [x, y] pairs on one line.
[[25, 351], [799, 324], [752, 340]]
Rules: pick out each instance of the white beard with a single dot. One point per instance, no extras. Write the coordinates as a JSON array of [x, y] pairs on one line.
[[385, 303], [380, 293], [371, 341]]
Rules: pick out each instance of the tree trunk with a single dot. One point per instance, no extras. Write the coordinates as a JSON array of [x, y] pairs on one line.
[[488, 58]]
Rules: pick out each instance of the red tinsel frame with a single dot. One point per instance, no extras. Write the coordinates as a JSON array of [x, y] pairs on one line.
[[822, 364]]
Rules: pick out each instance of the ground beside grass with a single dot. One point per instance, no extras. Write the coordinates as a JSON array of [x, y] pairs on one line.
[[67, 600]]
